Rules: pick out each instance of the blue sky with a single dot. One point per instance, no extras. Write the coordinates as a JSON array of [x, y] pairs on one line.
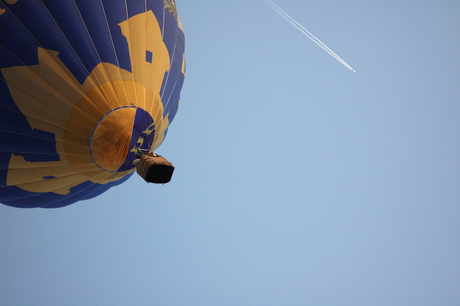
[[297, 181]]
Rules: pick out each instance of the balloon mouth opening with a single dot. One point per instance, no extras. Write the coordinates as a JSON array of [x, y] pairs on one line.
[[110, 142]]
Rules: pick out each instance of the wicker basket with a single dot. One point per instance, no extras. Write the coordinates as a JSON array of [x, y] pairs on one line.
[[155, 169]]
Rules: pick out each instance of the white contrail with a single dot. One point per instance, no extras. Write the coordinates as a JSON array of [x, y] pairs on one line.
[[304, 31], [297, 25]]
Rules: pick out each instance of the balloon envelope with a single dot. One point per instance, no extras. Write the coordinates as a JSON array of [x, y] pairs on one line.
[[84, 84]]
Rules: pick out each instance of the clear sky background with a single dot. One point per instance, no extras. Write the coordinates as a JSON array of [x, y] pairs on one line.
[[297, 181]]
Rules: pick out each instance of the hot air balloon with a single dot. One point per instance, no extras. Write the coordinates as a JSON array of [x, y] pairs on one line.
[[86, 87]]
